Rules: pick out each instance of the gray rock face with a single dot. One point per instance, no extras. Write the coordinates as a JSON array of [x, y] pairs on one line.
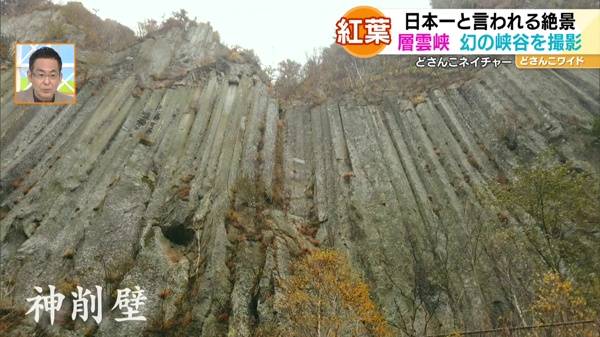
[[134, 185]]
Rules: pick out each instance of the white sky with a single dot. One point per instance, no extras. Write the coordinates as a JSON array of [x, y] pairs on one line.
[[276, 30]]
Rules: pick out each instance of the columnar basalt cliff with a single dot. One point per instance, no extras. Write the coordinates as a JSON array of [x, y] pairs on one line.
[[178, 171]]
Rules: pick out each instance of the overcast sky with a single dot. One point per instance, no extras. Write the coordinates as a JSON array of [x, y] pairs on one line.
[[276, 30]]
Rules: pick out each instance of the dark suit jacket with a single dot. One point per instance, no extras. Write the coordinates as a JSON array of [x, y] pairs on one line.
[[27, 97]]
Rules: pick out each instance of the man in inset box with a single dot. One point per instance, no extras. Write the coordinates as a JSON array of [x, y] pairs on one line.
[[45, 75]]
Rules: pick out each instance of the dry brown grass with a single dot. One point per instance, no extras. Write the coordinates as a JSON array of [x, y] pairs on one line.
[[471, 159], [417, 99], [69, 253], [10, 318], [183, 192], [67, 285], [144, 139], [187, 178], [173, 254], [233, 217], [167, 292], [17, 182]]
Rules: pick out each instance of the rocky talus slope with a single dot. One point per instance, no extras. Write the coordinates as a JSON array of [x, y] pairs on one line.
[[178, 171]]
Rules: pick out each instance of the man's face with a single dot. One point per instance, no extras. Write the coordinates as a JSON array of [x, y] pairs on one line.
[[45, 78]]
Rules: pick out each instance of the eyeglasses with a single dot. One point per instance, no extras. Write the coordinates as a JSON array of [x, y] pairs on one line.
[[42, 76]]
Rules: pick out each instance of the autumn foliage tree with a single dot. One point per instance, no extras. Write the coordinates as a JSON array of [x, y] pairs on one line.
[[325, 298], [558, 206], [557, 300], [288, 78], [146, 27]]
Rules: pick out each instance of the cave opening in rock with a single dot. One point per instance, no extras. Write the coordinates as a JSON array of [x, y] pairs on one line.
[[179, 234]]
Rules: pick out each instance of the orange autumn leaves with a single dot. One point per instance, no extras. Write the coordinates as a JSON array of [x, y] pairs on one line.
[[325, 298], [558, 301]]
